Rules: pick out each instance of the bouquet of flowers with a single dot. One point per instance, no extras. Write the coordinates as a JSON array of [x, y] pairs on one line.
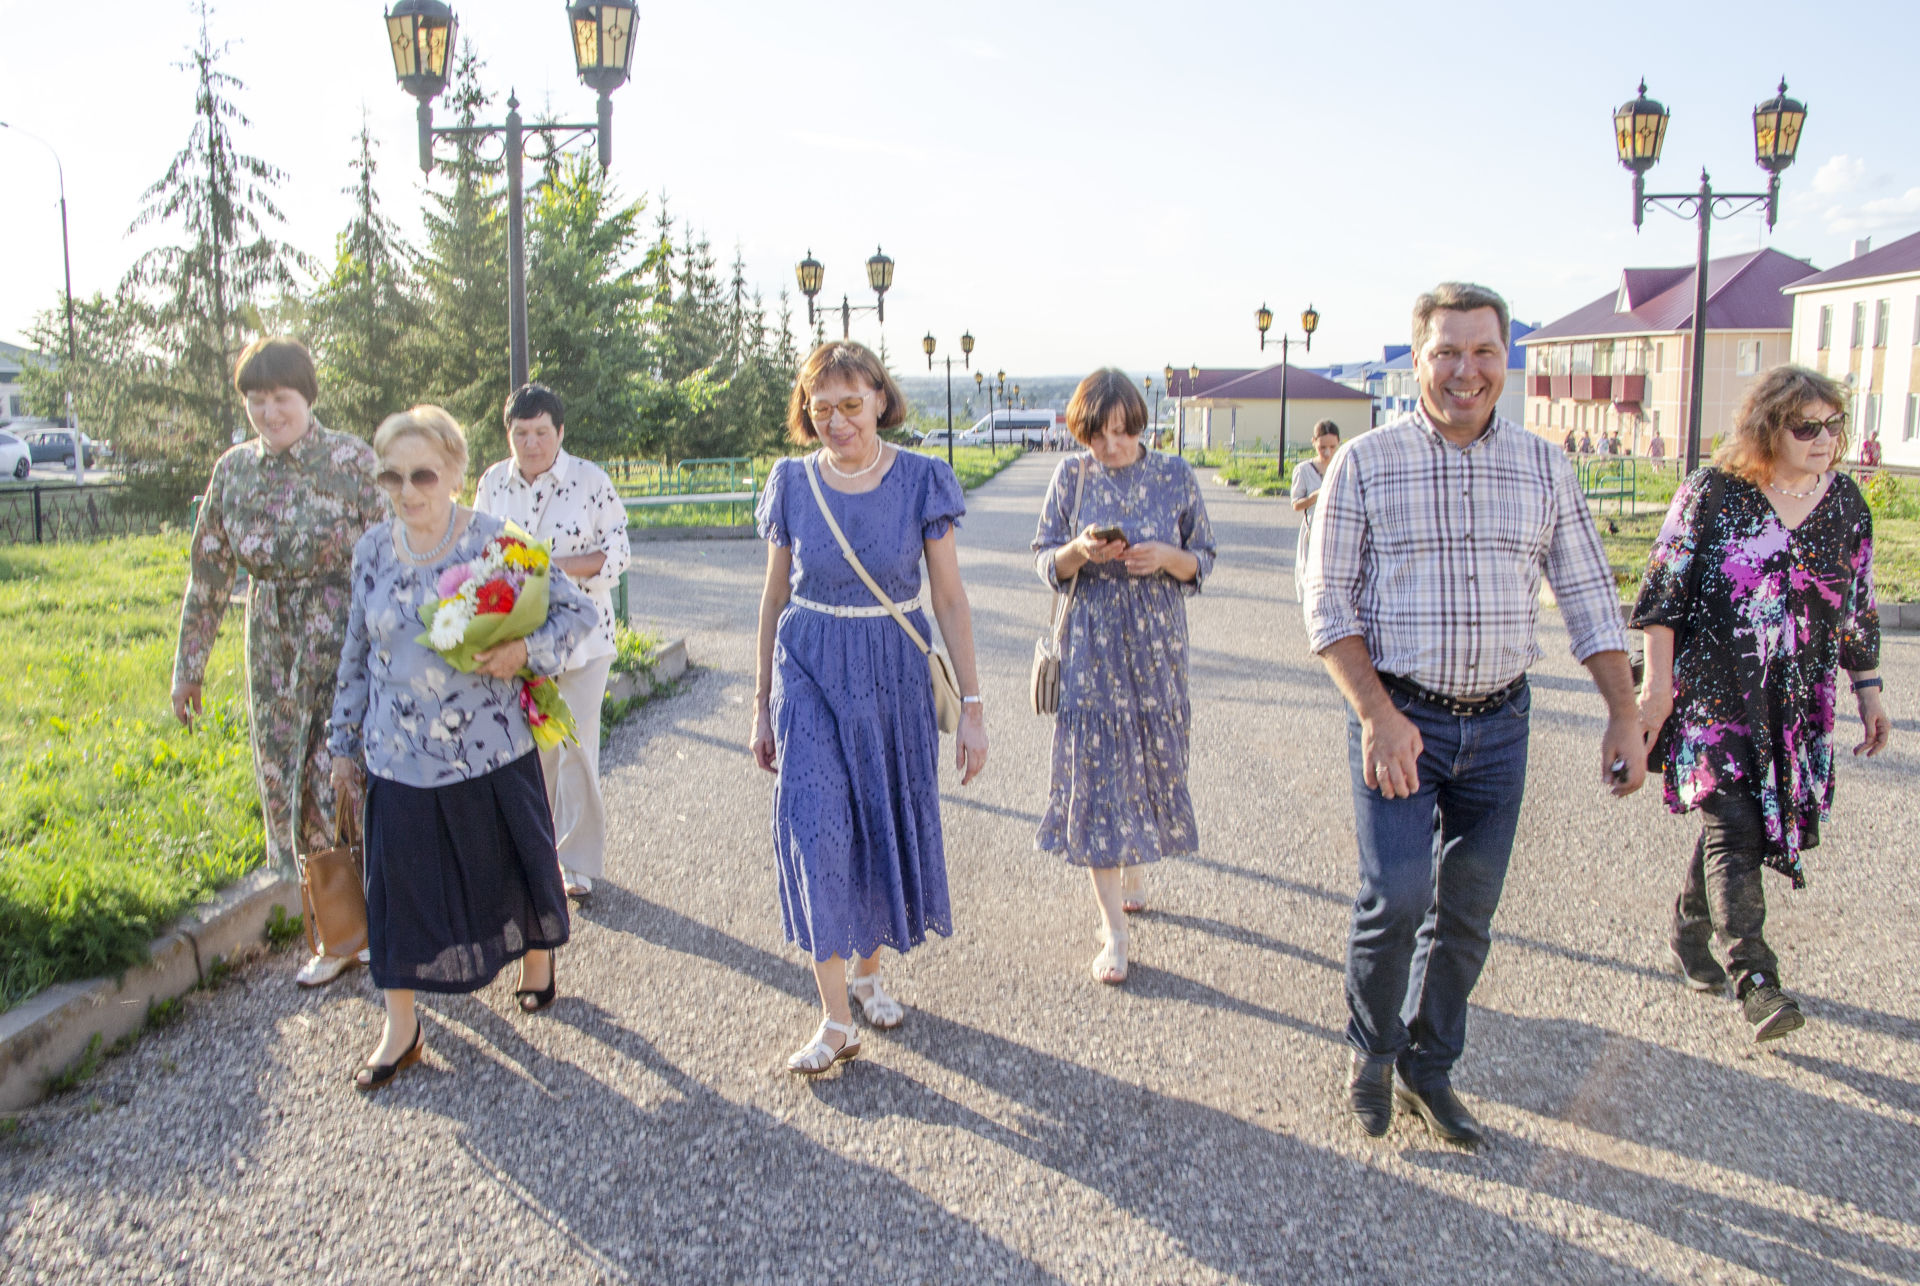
[[496, 598]]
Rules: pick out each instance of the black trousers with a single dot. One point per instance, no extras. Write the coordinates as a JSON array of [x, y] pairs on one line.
[[1723, 890]]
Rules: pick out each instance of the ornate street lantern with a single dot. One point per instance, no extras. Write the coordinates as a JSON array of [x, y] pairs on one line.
[[602, 41], [1193, 372], [1309, 322], [1639, 131], [811, 272], [966, 343], [1776, 130], [927, 346], [880, 272], [1263, 318], [422, 35]]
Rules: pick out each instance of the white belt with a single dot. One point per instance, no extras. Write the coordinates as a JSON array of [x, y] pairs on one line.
[[916, 604]]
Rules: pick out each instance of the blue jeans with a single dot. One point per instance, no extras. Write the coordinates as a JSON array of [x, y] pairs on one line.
[[1431, 870]]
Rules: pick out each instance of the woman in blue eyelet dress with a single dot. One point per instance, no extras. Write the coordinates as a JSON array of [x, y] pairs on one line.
[[843, 707]]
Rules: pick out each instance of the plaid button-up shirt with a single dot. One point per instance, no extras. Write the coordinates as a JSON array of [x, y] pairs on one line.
[[1433, 554]]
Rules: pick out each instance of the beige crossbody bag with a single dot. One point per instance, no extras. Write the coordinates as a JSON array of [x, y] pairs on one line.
[[946, 687], [1046, 648]]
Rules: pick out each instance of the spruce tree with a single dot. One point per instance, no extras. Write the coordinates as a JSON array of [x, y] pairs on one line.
[[200, 296]]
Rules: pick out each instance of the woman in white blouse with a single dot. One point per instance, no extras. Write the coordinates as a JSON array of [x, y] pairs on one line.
[[571, 502]]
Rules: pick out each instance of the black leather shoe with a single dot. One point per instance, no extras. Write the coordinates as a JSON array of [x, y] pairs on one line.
[[1444, 1114], [1370, 1096], [1697, 967]]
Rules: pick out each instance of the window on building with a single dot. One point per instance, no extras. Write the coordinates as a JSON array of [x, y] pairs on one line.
[[1583, 359], [1882, 321], [1747, 359], [1913, 418], [1859, 325], [1826, 326], [1870, 419], [1603, 359], [1659, 358], [1562, 359], [1916, 321]]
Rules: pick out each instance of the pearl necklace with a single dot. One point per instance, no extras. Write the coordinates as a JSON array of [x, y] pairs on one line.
[[406, 541], [1798, 495], [879, 451]]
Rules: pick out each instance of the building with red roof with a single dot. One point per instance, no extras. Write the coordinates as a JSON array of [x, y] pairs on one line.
[[1240, 408]]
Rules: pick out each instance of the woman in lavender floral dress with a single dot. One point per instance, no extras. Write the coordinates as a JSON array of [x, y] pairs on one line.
[[1119, 797], [1742, 652]]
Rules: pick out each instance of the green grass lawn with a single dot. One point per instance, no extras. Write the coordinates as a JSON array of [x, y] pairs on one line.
[[1896, 554], [113, 818]]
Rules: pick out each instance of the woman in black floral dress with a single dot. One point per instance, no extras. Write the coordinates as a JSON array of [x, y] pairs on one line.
[[1742, 653]]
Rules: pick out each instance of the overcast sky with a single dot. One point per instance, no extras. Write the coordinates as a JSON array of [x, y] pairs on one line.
[[1080, 184]]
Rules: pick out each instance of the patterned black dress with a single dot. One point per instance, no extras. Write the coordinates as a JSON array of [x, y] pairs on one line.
[[1778, 613]]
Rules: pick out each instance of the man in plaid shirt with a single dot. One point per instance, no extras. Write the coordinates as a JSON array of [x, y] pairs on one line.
[[1421, 595]]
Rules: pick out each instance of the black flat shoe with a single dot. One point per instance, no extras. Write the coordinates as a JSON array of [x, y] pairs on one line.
[[373, 1076], [1445, 1115], [1696, 966], [1370, 1097], [532, 1002]]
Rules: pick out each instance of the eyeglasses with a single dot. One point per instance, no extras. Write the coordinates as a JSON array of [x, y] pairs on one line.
[[847, 406], [390, 480], [1808, 430]]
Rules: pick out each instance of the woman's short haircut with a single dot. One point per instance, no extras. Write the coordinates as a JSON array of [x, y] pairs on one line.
[[1326, 428], [855, 363], [431, 424], [274, 362], [1099, 395], [1771, 406], [1457, 297], [530, 402]]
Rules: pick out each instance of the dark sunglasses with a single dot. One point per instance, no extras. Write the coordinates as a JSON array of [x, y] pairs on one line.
[[1808, 430], [390, 481]]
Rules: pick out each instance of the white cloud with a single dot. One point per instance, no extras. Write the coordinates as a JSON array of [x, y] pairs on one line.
[[1893, 213], [1840, 174]]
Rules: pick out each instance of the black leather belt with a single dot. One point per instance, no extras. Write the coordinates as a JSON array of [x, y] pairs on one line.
[[1456, 705]]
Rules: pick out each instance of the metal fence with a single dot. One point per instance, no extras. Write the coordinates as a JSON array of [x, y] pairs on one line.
[[47, 515]]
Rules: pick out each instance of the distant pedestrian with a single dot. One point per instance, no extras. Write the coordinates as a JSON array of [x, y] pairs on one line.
[[1586, 444], [1870, 451], [1423, 585], [1657, 449], [286, 508], [1141, 545], [1308, 476], [556, 496], [1613, 444], [843, 700], [1569, 445], [461, 872], [1759, 588]]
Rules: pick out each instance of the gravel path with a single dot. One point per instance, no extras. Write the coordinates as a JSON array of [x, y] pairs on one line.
[[1027, 1124]]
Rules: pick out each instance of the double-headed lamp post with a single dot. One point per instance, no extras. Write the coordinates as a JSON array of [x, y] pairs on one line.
[[1639, 132], [927, 346], [810, 273], [1309, 322], [423, 35], [1146, 385]]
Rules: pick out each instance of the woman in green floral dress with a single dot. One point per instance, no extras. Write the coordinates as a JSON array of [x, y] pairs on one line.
[[287, 508]]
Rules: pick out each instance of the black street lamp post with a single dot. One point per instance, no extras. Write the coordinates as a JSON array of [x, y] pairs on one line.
[[423, 36], [811, 273], [1639, 132], [66, 260], [1309, 322], [927, 346]]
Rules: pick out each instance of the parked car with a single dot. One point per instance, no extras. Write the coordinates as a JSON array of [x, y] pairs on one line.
[[15, 457], [55, 446]]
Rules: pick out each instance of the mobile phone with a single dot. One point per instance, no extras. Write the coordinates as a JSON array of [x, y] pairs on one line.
[[1111, 532], [1618, 769]]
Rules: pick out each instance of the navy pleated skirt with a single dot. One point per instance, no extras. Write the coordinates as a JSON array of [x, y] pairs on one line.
[[461, 878]]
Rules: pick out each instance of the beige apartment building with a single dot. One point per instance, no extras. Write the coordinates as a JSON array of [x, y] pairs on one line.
[[1240, 409], [1620, 364], [1860, 323]]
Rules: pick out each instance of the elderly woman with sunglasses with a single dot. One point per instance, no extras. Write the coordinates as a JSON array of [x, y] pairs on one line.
[[286, 509], [1759, 589], [1124, 534], [462, 874], [843, 703]]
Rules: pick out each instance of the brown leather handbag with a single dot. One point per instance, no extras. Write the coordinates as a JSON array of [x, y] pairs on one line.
[[1044, 687], [333, 891]]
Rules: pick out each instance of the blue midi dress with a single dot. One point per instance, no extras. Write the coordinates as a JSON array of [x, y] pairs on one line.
[[1119, 790], [856, 807]]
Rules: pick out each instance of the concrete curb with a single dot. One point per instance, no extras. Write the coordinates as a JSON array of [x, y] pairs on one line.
[[1900, 616], [648, 535], [51, 1031], [669, 663]]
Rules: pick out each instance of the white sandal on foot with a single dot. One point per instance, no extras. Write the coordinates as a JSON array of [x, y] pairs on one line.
[[1110, 966], [880, 1009], [818, 1056]]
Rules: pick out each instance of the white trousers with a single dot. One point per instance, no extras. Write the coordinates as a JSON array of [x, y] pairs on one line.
[[573, 774]]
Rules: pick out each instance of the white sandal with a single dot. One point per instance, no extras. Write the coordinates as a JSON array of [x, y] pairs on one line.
[[818, 1056], [1110, 966], [880, 1009]]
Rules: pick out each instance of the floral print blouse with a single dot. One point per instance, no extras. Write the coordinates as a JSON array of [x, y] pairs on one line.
[[575, 505], [419, 721], [1778, 612]]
